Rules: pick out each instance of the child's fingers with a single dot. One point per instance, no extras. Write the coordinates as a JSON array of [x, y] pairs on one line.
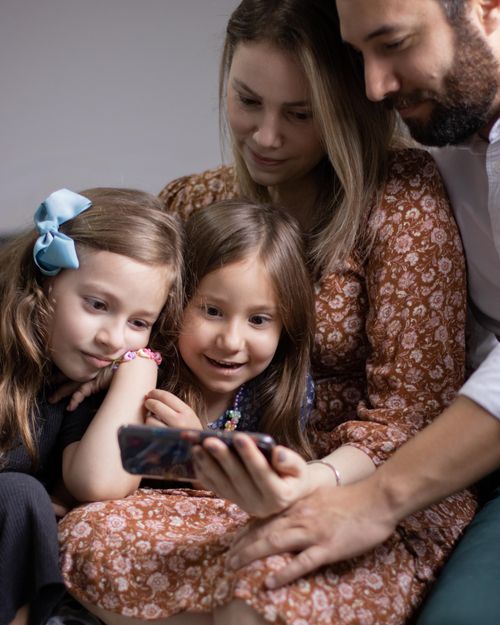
[[226, 474], [63, 391], [160, 411], [79, 395], [287, 462], [171, 416], [277, 490], [169, 399]]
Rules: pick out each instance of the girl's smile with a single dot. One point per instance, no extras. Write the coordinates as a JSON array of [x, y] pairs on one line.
[[101, 310], [231, 328]]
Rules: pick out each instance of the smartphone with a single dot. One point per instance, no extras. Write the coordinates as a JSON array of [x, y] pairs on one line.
[[166, 453]]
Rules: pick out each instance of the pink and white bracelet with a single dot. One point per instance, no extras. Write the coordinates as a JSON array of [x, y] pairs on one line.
[[144, 352]]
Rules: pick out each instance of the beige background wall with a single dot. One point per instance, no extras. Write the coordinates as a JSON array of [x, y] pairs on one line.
[[105, 92]]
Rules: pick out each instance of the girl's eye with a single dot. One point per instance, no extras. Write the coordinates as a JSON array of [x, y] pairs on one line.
[[259, 320], [95, 304], [139, 324], [211, 311]]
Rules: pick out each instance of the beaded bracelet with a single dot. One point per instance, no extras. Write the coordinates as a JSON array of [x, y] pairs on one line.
[[331, 467], [144, 352]]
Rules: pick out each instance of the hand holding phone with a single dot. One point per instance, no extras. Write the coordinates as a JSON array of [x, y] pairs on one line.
[[166, 453]]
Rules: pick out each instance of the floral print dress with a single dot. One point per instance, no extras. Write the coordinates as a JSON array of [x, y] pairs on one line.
[[389, 356]]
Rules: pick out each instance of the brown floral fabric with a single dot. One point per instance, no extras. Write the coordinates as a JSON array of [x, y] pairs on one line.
[[389, 356]]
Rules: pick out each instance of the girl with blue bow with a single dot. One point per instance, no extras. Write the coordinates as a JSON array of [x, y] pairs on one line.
[[96, 282]]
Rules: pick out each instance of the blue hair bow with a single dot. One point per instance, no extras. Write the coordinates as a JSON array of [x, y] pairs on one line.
[[53, 250]]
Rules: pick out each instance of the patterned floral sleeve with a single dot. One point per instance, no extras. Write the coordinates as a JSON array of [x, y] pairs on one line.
[[415, 285], [184, 195]]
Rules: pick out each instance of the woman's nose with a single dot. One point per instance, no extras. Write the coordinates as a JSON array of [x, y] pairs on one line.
[[268, 133]]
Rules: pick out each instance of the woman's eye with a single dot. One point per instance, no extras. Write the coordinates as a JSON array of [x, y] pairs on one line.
[[247, 101], [301, 116]]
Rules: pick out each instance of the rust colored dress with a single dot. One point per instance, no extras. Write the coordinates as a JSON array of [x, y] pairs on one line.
[[389, 356]]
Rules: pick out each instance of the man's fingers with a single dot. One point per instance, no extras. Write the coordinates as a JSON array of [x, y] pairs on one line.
[[272, 542], [303, 563]]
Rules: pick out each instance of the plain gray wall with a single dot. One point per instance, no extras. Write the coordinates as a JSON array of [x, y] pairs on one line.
[[105, 93]]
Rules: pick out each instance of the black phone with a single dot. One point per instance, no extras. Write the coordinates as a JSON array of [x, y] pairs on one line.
[[166, 453]]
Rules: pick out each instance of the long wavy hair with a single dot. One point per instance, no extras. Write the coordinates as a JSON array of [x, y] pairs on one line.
[[228, 232], [356, 133], [123, 221]]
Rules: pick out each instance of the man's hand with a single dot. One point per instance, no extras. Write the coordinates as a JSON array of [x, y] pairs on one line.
[[326, 526]]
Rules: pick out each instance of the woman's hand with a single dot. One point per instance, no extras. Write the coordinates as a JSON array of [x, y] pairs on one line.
[[168, 409], [250, 481]]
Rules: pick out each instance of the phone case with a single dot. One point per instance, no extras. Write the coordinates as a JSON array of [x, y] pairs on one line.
[[166, 453]]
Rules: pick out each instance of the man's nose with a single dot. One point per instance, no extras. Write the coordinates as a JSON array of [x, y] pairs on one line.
[[380, 79]]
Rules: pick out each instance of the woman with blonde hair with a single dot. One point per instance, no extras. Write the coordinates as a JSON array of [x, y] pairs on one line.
[[386, 260]]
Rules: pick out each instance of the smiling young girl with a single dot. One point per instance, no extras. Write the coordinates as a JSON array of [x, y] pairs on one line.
[[245, 336], [99, 276], [244, 354]]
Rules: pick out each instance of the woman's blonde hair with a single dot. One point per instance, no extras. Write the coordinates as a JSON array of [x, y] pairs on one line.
[[356, 133], [121, 221], [228, 232]]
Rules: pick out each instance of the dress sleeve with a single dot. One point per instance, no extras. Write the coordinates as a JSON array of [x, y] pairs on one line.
[[184, 195], [415, 281]]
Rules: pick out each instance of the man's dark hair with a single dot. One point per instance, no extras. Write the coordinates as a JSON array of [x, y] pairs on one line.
[[453, 9]]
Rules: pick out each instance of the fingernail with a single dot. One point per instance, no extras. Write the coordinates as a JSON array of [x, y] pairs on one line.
[[281, 456], [239, 442]]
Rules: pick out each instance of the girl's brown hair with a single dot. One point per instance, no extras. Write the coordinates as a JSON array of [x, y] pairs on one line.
[[121, 221], [356, 133], [228, 232]]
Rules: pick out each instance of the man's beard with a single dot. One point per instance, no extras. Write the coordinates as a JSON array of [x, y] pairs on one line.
[[470, 89]]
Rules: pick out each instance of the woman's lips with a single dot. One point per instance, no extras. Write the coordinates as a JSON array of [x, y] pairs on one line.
[[262, 160]]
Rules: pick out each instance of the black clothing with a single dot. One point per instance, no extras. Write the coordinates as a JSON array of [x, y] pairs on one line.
[[29, 549]]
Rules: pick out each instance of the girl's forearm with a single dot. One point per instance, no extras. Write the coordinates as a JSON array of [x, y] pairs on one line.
[[92, 468]]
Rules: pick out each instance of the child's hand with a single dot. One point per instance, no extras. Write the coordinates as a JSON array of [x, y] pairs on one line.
[[79, 391], [168, 409], [251, 482]]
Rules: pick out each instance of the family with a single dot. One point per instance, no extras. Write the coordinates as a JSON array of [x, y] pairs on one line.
[[337, 286]]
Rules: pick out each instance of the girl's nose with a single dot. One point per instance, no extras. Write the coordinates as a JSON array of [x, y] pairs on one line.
[[111, 337], [230, 337]]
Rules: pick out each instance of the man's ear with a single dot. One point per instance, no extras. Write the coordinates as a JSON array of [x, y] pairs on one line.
[[487, 13]]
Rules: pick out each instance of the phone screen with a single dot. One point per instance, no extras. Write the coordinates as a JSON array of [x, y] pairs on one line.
[[166, 453]]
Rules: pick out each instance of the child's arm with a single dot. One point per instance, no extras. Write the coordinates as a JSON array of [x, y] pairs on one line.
[[92, 468]]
